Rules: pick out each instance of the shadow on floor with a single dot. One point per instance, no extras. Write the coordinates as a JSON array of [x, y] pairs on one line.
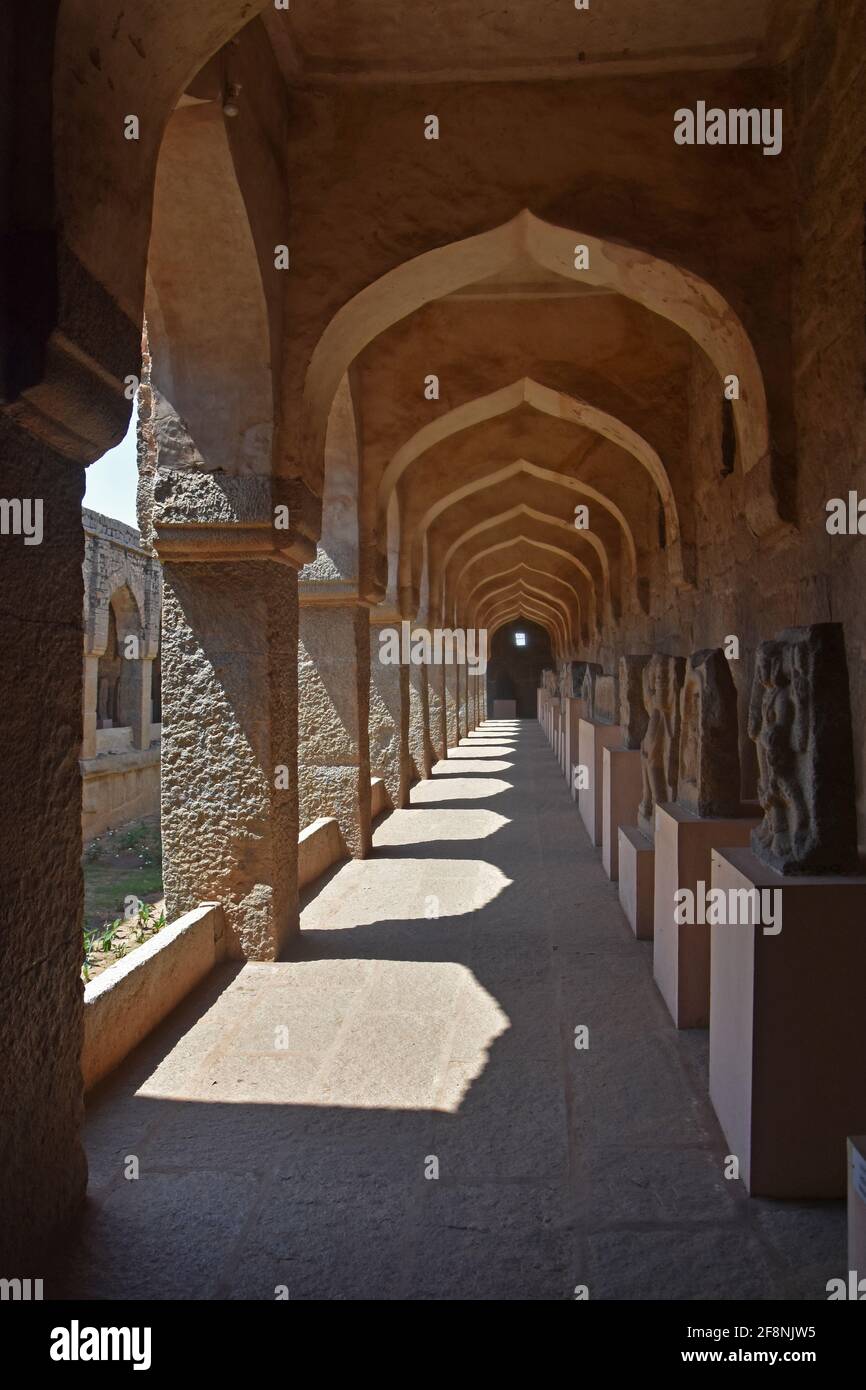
[[423, 1126]]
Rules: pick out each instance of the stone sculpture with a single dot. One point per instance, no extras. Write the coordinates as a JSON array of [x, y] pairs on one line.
[[709, 770], [800, 721], [633, 715], [660, 749], [605, 700], [578, 672]]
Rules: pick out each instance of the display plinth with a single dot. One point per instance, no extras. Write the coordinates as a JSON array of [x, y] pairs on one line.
[[620, 798], [577, 710], [786, 1029], [565, 740], [636, 874], [592, 740], [857, 1204], [681, 952]]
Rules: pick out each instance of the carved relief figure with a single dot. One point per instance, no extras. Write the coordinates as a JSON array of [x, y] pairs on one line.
[[633, 715], [800, 721], [709, 769], [662, 682], [605, 700]]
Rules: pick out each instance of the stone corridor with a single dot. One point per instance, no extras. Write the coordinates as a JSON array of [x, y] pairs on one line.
[[284, 1118]]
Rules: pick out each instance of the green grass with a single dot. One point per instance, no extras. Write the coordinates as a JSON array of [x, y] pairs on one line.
[[120, 864]]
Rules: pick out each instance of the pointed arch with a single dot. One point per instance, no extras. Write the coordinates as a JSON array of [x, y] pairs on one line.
[[664, 288], [560, 406]]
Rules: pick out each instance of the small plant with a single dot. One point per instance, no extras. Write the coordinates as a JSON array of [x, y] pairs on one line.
[[109, 933], [94, 852], [121, 950]]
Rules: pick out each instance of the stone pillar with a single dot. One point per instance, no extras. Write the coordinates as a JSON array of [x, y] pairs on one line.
[[229, 782], [141, 702], [438, 706], [463, 704], [390, 757], [421, 723], [41, 885], [333, 709], [452, 704], [91, 677]]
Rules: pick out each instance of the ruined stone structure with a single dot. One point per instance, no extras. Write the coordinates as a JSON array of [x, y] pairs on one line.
[[122, 712], [660, 749], [800, 719], [709, 762], [448, 323]]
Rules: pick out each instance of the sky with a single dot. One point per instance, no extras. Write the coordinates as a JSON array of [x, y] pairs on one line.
[[112, 480]]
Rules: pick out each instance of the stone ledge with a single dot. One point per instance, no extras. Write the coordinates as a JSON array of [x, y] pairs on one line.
[[125, 1003], [320, 845]]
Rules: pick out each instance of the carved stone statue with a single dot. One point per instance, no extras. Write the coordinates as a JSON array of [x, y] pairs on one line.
[[800, 720], [633, 715], [549, 681], [660, 749], [578, 672], [709, 772], [605, 700]]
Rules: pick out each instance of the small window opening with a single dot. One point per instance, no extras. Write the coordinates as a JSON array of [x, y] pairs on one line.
[[520, 639]]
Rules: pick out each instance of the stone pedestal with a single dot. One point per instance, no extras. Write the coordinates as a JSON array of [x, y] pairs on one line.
[[592, 741], [636, 877], [681, 953], [857, 1204], [576, 712], [620, 797], [786, 1029]]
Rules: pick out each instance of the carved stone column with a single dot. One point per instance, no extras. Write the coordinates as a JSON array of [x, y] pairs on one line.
[[230, 702]]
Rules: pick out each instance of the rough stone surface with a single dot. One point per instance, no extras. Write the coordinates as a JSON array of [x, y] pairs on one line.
[[42, 898], [709, 768], [660, 749], [333, 720], [230, 683], [389, 724], [800, 720]]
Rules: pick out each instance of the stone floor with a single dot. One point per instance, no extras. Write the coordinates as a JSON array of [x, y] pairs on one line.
[[286, 1118]]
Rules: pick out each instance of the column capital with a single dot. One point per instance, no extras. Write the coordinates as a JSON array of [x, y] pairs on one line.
[[213, 517]]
